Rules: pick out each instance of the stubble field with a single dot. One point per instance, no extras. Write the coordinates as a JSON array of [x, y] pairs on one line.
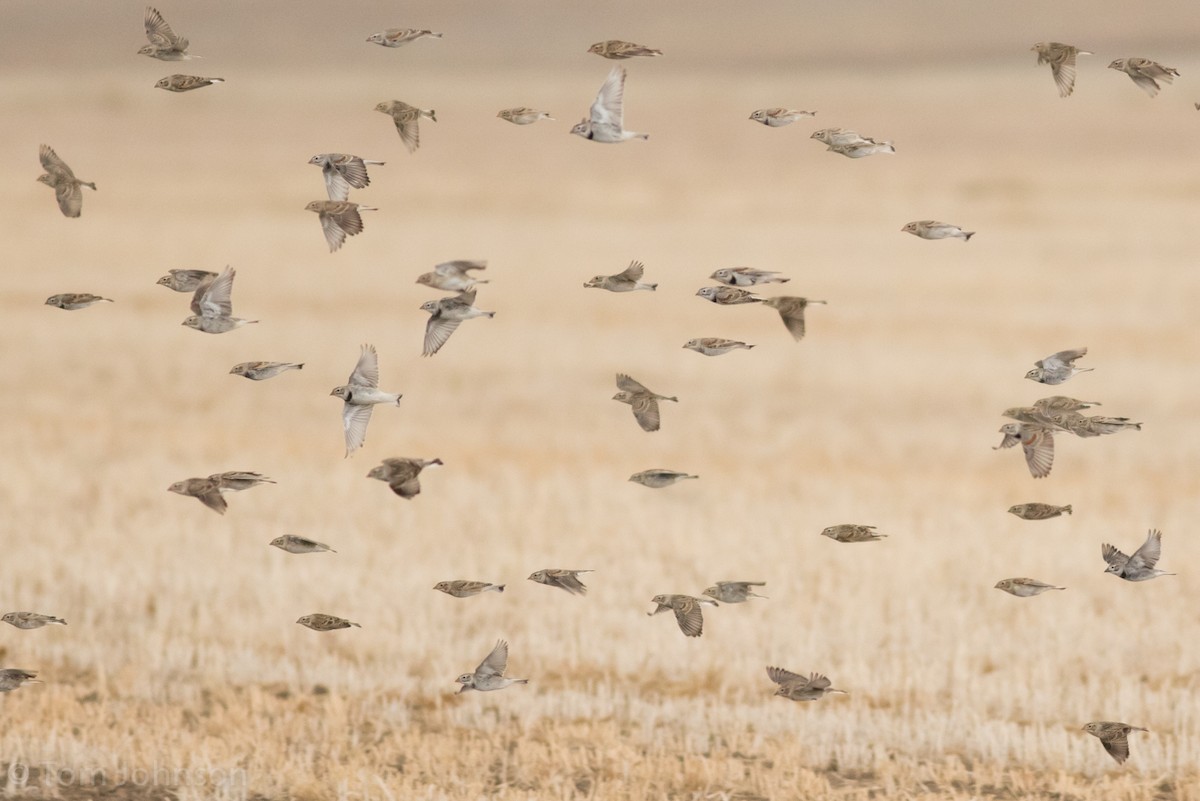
[[182, 669]]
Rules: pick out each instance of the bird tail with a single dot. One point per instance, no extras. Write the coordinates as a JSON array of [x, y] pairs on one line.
[[520, 681], [1084, 369], [749, 346], [57, 620], [432, 115], [670, 399], [500, 587], [967, 235], [363, 208], [250, 322], [398, 397], [300, 366], [435, 34], [642, 136], [489, 314], [217, 80], [88, 184], [652, 287], [1067, 509]]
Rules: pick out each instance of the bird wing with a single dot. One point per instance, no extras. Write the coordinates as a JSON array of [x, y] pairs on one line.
[[816, 681], [1064, 358], [633, 272], [645, 410], [52, 163], [1117, 745], [1147, 556], [69, 197], [1113, 556], [216, 299], [792, 315], [366, 372], [496, 662], [354, 170], [567, 580], [689, 617], [336, 184], [781, 676], [406, 126], [607, 108], [1151, 88], [159, 32], [407, 488], [354, 422], [1038, 445], [1063, 71], [459, 267], [332, 228], [628, 384], [214, 500], [437, 331]]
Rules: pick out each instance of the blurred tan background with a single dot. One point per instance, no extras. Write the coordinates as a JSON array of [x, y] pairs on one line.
[[885, 414]]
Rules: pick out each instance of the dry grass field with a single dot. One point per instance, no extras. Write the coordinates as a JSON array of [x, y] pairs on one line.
[[182, 672]]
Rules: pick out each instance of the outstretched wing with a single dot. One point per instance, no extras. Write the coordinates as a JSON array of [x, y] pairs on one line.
[[366, 372], [1113, 556], [1147, 556], [607, 108], [159, 32], [496, 662], [216, 299], [354, 422], [633, 272], [627, 384], [781, 676], [645, 410], [437, 331], [689, 617]]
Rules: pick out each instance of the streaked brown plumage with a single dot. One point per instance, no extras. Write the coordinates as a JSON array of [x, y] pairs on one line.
[[1061, 58], [1036, 441], [401, 474], [339, 219], [795, 687], [318, 621], [616, 49], [686, 609], [1113, 736], [185, 83], [1038, 511], [407, 120], [461, 588], [563, 579], [205, 490], [1145, 73], [59, 177], [852, 532], [643, 401], [791, 311]]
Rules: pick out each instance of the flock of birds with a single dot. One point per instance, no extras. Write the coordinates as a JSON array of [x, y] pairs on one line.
[[212, 313]]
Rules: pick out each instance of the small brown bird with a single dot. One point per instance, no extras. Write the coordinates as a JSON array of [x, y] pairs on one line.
[[205, 490], [490, 673], [261, 371], [12, 678], [213, 306], [343, 171], [62, 180], [852, 532], [319, 621], [522, 115], [686, 609], [1058, 367], [407, 119], [1145, 73], [1038, 511], [398, 37], [74, 300], [778, 117], [1036, 441], [932, 229], [563, 579], [164, 45], [402, 474], [616, 49], [746, 276], [339, 219], [715, 346], [795, 687], [791, 311], [1025, 587], [1140, 566], [1061, 58], [294, 544], [1061, 403], [1098, 425], [629, 280], [185, 83], [1113, 736], [453, 276], [659, 478], [727, 295], [238, 480], [643, 401], [460, 588], [186, 280], [445, 315], [734, 592], [30, 620]]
